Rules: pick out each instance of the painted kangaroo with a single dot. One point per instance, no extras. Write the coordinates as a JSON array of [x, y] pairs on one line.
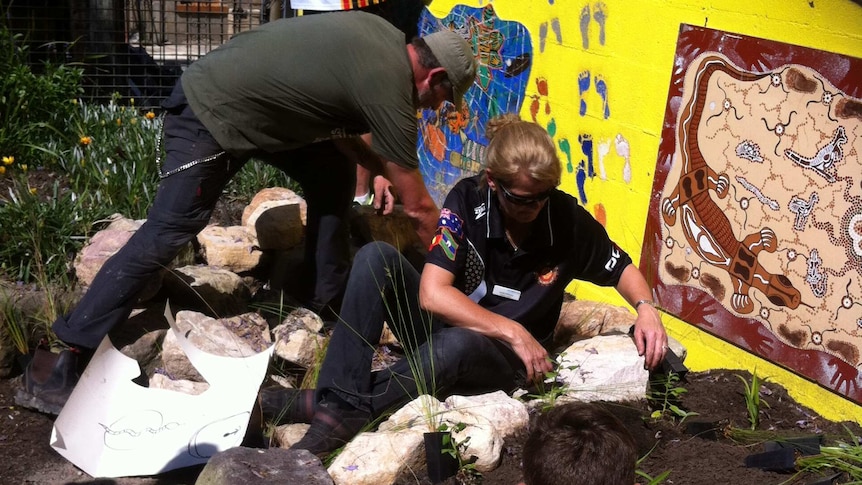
[[706, 228]]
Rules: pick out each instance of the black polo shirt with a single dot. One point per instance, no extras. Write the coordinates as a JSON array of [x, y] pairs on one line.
[[526, 285]]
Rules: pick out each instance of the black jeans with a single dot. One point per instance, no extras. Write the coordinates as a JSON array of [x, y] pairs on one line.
[[183, 206], [441, 360]]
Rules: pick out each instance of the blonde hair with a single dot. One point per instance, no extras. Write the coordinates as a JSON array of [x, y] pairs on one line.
[[516, 145]]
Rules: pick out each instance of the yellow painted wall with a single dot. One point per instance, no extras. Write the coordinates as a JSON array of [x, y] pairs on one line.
[[635, 62]]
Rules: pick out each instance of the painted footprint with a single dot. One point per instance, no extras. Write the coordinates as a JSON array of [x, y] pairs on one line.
[[600, 14], [536, 100], [555, 28], [543, 35], [586, 141], [602, 89], [583, 87], [603, 149], [581, 179], [624, 150], [566, 148], [585, 26]]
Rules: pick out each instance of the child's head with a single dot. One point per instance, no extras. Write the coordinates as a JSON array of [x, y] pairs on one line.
[[579, 443]]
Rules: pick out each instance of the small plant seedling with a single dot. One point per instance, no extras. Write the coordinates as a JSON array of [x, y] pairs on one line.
[[549, 389], [467, 472], [650, 480], [752, 399], [664, 394]]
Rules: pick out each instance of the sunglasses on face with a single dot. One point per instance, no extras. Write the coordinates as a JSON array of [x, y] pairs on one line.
[[524, 200]]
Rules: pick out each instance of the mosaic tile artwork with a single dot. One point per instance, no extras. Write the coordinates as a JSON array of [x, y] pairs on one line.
[[754, 232], [452, 140]]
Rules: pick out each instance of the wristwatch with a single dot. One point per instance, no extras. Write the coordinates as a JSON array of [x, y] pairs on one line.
[[641, 302]]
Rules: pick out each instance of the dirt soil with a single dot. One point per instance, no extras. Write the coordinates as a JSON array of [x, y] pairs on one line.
[[717, 397]]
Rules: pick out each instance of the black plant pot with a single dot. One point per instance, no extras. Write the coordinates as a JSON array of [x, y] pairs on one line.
[[441, 463], [782, 460]]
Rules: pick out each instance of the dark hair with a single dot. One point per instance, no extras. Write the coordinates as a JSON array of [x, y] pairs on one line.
[[427, 59], [579, 443]]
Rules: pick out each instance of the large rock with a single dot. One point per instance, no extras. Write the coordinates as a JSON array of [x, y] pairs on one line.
[[252, 466], [211, 290], [275, 194], [508, 416], [584, 319], [484, 441], [239, 336], [603, 368], [395, 229], [298, 346], [234, 248], [107, 242], [378, 458], [277, 216], [288, 434]]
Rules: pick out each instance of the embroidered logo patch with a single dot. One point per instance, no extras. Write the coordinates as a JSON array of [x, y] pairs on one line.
[[446, 241], [547, 276], [451, 221]]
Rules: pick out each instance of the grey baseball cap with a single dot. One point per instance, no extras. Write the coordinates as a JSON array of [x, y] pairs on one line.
[[455, 56]]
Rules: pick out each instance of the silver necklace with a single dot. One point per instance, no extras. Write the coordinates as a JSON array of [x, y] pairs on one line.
[[511, 241]]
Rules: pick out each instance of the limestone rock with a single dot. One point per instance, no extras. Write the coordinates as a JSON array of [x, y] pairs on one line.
[[161, 381], [275, 194], [506, 415], [300, 346], [585, 319], [378, 458], [395, 228], [302, 318], [212, 290], [277, 216], [234, 248], [239, 336], [253, 466], [606, 367], [288, 434]]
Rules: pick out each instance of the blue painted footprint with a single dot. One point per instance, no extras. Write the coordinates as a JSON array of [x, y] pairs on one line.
[[583, 87], [602, 89]]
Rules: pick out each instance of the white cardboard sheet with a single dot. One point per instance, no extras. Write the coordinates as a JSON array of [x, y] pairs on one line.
[[112, 427]]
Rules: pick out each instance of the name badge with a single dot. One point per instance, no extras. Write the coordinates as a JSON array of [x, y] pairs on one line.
[[504, 292]]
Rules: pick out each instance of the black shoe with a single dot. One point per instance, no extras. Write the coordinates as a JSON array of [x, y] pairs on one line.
[[280, 405], [48, 380], [331, 429]]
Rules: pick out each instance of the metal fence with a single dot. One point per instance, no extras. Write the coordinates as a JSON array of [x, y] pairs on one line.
[[136, 48]]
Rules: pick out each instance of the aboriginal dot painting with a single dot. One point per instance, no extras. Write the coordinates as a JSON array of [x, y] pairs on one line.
[[755, 229], [453, 140]]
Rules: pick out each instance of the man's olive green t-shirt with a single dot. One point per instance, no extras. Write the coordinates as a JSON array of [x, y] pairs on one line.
[[297, 81]]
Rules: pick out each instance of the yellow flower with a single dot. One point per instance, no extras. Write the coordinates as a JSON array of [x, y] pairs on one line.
[[86, 140], [133, 121], [33, 190], [8, 160], [119, 122], [2, 169], [150, 115], [23, 167]]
